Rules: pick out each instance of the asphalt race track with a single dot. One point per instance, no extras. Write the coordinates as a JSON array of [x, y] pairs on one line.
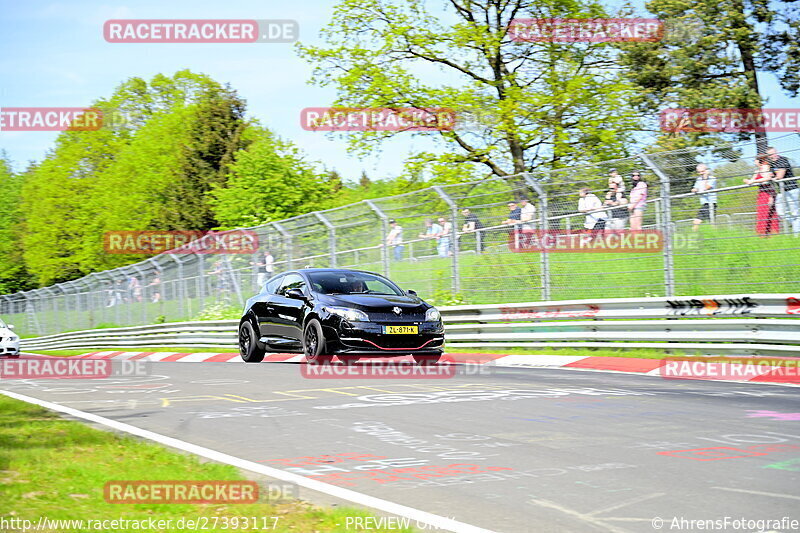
[[507, 450]]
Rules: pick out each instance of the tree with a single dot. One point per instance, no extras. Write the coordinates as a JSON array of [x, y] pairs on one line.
[[267, 182], [537, 104], [711, 56], [13, 275]]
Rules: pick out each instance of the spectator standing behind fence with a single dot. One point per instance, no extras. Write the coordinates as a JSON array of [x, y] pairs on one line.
[[767, 221], [432, 230], [514, 214], [155, 288], [614, 179], [527, 213], [638, 200], [787, 203], [395, 239], [588, 203], [619, 214], [134, 289], [266, 267], [473, 224], [708, 200], [443, 239]]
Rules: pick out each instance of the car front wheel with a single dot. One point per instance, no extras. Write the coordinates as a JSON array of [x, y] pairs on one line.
[[314, 344], [249, 349]]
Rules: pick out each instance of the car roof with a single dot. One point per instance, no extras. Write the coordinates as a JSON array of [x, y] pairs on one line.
[[309, 270]]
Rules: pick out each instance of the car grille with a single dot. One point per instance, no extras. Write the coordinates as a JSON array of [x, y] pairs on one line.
[[391, 317]]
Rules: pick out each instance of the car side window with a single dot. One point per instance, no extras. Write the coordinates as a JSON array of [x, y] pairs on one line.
[[291, 281], [272, 286]]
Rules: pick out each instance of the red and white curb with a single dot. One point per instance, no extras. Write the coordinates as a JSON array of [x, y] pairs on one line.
[[681, 369]]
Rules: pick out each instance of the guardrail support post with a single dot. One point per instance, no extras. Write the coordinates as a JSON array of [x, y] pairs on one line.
[[666, 226], [456, 285], [384, 233], [331, 236], [543, 217]]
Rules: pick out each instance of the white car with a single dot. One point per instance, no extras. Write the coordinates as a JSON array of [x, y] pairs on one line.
[[9, 341]]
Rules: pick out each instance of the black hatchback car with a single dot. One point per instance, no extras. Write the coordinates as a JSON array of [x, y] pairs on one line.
[[323, 312]]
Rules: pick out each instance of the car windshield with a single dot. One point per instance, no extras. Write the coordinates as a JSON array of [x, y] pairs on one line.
[[2, 324], [352, 283]]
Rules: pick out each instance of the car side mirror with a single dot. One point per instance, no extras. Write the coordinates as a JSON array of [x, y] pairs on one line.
[[296, 294], [10, 326], [412, 293]]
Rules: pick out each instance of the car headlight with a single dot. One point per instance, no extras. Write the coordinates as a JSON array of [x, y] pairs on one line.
[[353, 315], [432, 315]]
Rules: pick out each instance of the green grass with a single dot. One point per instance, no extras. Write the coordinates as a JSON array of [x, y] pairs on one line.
[[57, 468]]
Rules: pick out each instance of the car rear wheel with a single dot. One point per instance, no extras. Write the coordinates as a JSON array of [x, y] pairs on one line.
[[314, 344], [249, 349], [427, 359]]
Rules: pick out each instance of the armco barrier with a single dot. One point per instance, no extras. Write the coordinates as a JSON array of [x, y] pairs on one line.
[[759, 324]]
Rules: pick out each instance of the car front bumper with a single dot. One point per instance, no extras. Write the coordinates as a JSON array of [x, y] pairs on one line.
[[368, 338]]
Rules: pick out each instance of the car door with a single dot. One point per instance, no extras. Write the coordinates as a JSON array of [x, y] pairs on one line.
[[261, 307], [286, 314]]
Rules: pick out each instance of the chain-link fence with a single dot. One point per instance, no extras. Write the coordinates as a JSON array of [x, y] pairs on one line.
[[733, 237]]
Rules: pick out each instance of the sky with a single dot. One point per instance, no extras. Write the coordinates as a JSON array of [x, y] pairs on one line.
[[53, 54]]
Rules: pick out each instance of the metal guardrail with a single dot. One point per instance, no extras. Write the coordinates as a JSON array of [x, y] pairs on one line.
[[752, 323]]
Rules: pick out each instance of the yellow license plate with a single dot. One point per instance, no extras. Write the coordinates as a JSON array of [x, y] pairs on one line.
[[401, 330]]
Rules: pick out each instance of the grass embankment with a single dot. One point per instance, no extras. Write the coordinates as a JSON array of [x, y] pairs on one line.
[[55, 468]]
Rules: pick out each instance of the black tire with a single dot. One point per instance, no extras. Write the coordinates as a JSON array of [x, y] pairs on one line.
[[426, 359], [314, 344], [249, 349]]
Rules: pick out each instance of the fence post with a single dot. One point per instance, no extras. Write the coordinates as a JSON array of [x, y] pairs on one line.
[[287, 243], [666, 226], [544, 256], [384, 233], [787, 227], [456, 285], [331, 236], [179, 287]]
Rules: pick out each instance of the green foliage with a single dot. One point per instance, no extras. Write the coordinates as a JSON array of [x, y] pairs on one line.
[[13, 276], [536, 105], [268, 181]]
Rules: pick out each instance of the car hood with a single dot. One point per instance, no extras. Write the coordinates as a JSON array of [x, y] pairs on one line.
[[5, 332], [371, 301]]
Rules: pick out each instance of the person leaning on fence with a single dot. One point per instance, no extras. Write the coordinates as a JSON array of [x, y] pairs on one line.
[[589, 203], [395, 239], [708, 200], [767, 222], [154, 288], [432, 230], [638, 200], [787, 203], [514, 214], [473, 224]]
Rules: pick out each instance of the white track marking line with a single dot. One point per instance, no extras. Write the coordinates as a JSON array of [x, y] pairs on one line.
[[422, 517], [759, 493], [627, 503], [589, 519]]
